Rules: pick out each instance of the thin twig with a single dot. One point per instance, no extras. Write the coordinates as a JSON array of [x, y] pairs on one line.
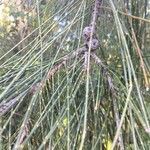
[[5, 106], [91, 43], [142, 64], [127, 14]]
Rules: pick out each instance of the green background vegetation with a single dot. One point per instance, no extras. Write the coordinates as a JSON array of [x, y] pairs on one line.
[[67, 108]]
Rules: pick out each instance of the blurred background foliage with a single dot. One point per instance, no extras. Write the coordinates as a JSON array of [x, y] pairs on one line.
[[34, 37]]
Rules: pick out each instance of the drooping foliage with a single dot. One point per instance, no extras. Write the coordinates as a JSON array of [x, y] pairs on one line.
[[74, 74]]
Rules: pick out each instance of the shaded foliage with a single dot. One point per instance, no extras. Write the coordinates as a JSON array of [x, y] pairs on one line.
[[58, 92]]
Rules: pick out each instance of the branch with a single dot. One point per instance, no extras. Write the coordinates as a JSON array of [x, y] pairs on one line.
[[89, 32]]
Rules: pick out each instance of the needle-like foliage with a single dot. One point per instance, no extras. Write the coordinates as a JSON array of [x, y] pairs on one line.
[[75, 74]]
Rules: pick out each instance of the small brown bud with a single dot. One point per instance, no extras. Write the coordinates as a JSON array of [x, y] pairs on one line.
[[94, 44], [87, 32]]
